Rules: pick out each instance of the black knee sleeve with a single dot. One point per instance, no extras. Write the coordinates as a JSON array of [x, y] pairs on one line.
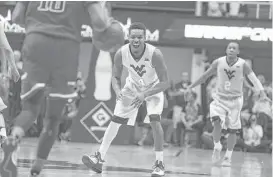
[[154, 118], [233, 131], [120, 120], [215, 119]]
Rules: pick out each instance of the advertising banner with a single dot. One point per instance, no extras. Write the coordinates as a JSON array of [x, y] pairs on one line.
[[176, 30]]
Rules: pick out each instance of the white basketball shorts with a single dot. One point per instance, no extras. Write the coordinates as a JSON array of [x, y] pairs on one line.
[[124, 109], [229, 111]]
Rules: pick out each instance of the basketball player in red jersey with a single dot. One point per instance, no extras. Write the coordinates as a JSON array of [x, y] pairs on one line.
[[50, 54], [228, 99]]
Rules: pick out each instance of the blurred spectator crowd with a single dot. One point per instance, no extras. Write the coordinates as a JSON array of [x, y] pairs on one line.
[[238, 9], [225, 9]]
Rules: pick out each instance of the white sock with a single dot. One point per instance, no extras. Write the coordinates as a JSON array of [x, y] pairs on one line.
[[217, 145], [109, 135], [228, 154], [159, 155], [3, 131]]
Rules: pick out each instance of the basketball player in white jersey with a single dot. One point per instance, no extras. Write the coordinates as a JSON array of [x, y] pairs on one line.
[[147, 80], [228, 98], [6, 56]]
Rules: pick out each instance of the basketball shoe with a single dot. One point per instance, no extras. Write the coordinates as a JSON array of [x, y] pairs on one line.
[[158, 169], [94, 162], [34, 173], [226, 162], [8, 166]]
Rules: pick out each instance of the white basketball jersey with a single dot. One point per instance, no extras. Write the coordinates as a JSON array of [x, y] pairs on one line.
[[230, 78], [142, 74]]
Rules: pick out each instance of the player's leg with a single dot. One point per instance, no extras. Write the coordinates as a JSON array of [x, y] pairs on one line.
[[155, 106], [64, 63], [64, 130], [50, 131], [54, 116], [94, 162], [217, 115], [70, 111], [234, 125], [123, 114]]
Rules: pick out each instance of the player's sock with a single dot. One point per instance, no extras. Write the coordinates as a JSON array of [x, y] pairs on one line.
[[217, 145], [228, 153], [3, 131], [109, 135], [159, 155]]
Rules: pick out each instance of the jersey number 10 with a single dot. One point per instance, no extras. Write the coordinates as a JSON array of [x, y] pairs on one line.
[[52, 6]]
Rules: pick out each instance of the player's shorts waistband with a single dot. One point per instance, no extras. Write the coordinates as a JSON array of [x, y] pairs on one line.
[[141, 87], [228, 97], [53, 36]]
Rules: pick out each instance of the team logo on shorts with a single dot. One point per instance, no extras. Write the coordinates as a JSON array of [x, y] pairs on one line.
[[230, 73], [139, 70], [97, 120]]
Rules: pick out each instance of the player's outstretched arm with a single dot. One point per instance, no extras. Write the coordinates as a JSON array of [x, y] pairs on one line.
[[211, 71], [99, 16], [18, 14], [255, 81], [117, 72], [161, 70], [6, 55]]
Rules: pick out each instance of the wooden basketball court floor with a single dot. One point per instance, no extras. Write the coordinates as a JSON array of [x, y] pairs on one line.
[[133, 161]]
